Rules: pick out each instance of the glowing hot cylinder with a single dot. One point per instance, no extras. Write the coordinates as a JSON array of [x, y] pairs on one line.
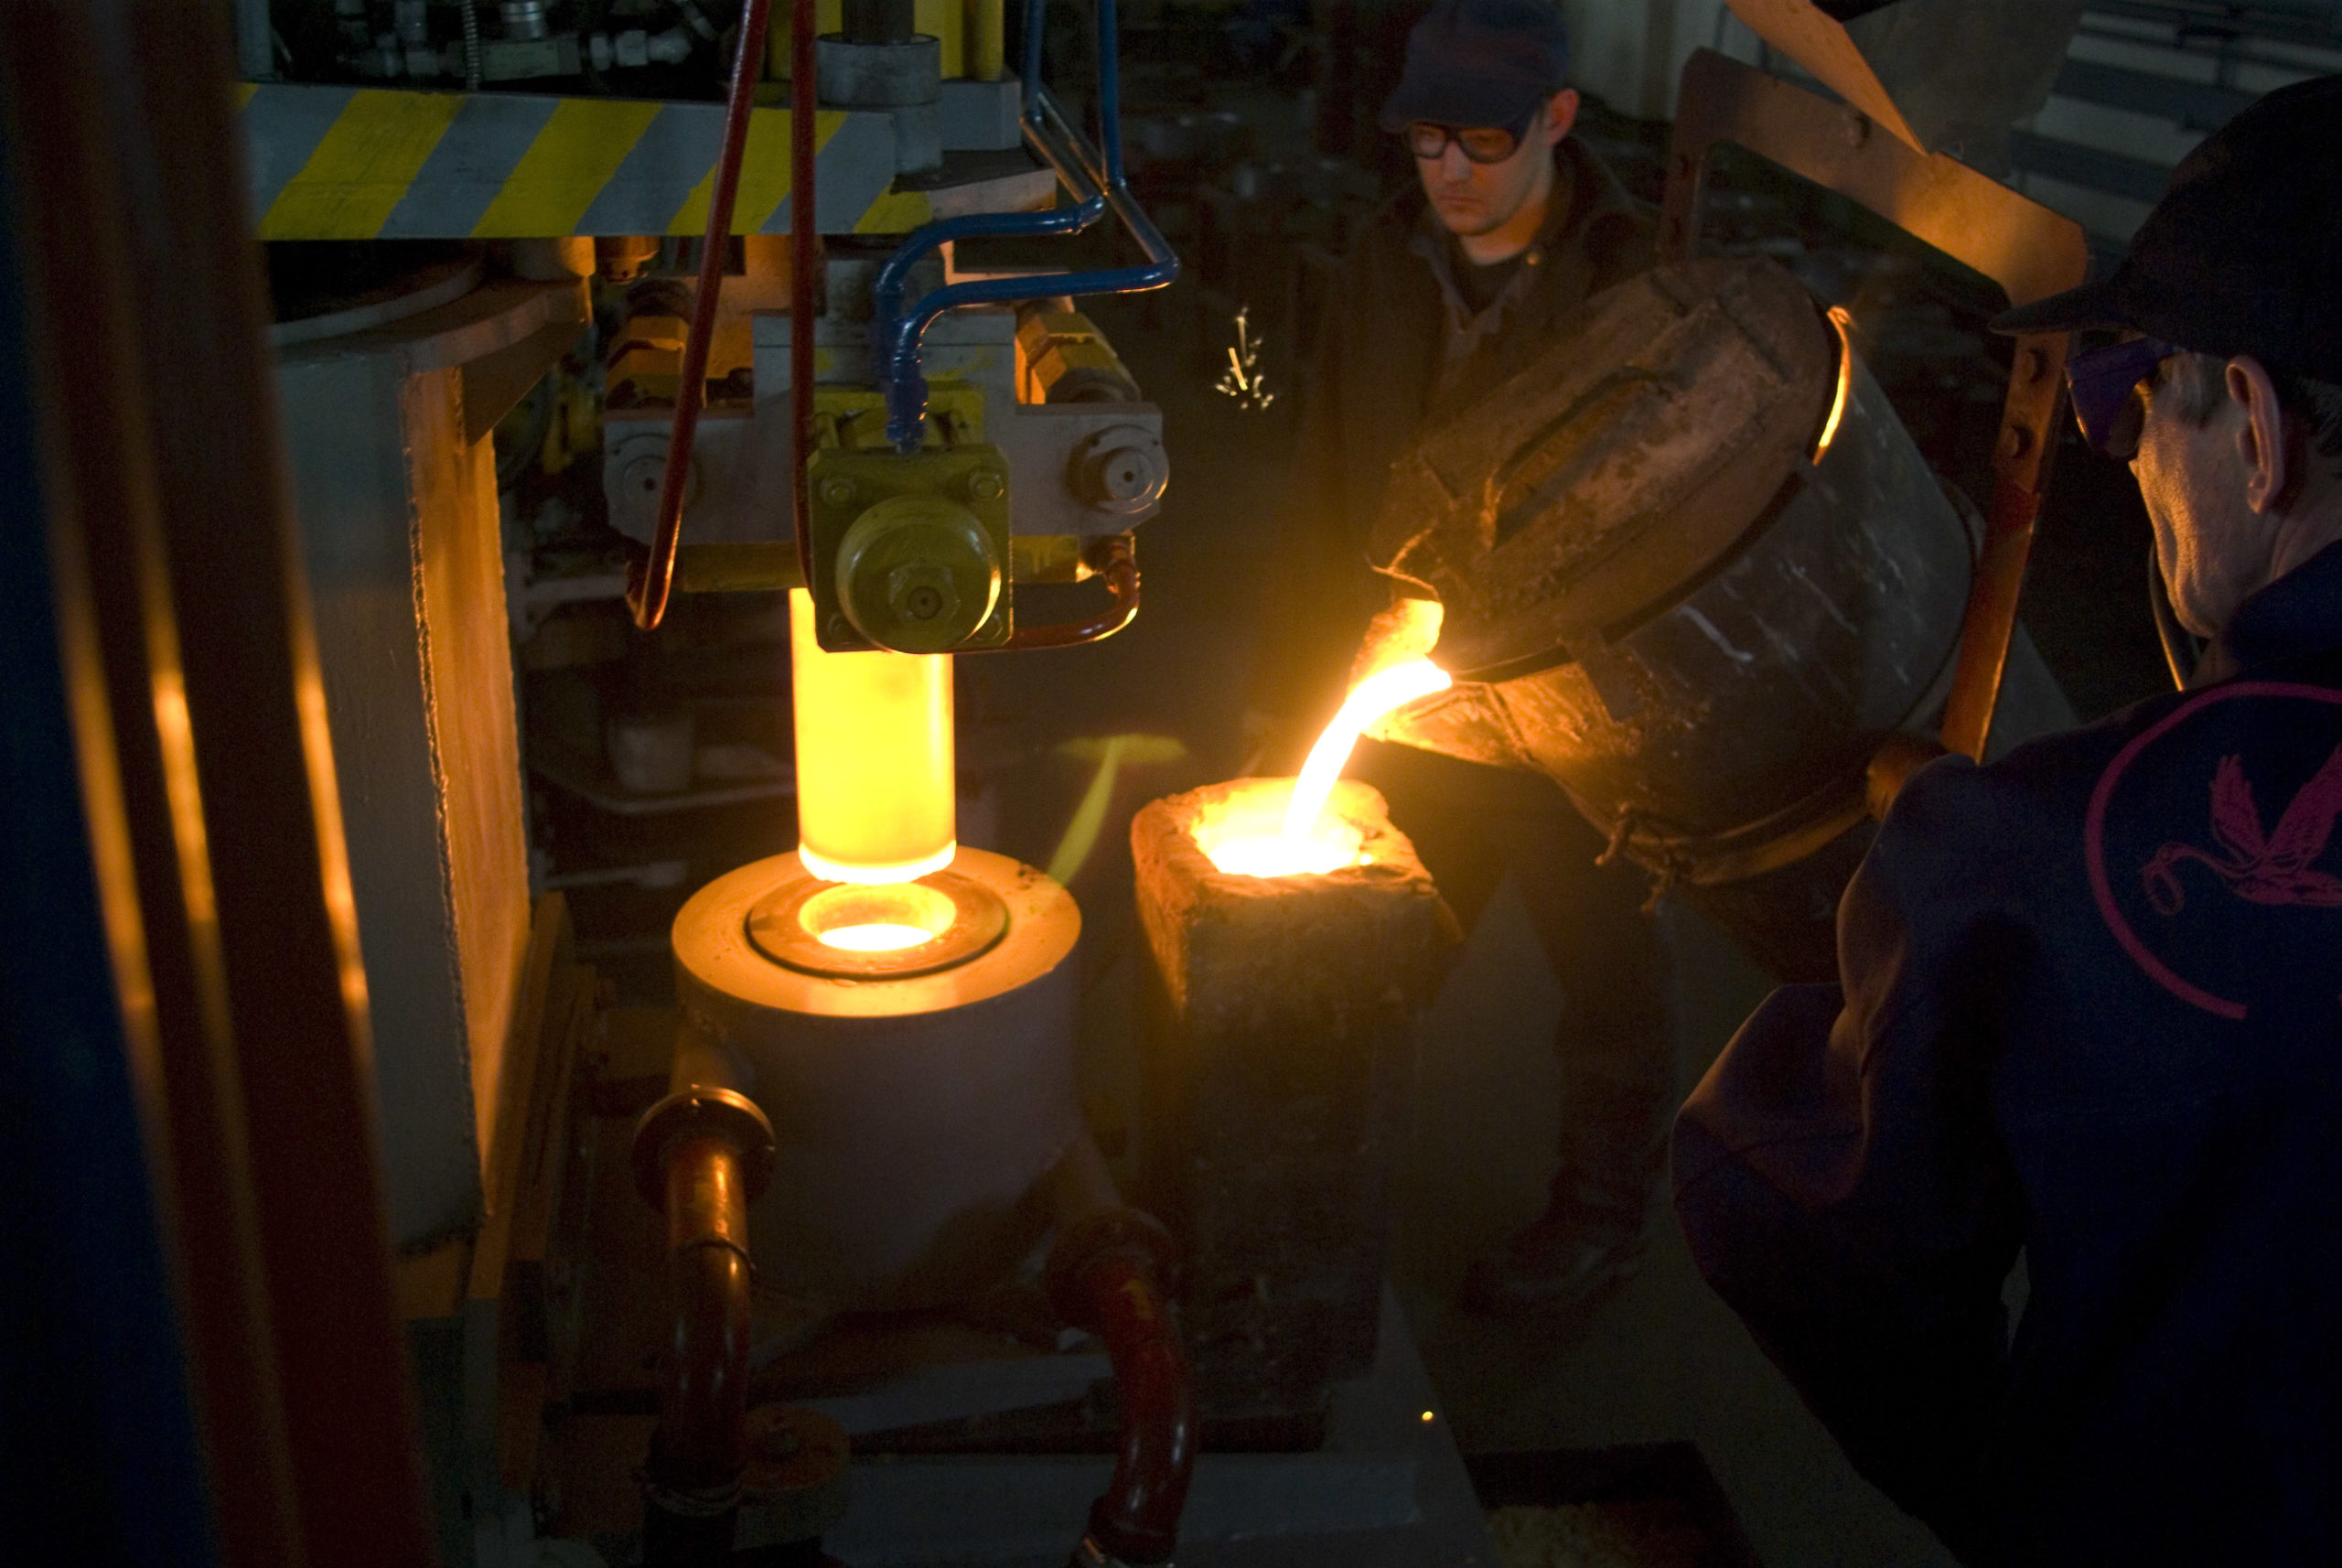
[[875, 800], [1307, 845]]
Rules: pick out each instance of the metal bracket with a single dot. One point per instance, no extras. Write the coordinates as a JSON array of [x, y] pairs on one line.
[[2031, 252]]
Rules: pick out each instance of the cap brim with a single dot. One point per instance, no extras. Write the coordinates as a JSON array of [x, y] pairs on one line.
[[2077, 310], [1467, 104]]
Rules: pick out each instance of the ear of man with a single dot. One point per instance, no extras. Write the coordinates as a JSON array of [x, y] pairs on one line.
[[1561, 114], [2272, 459]]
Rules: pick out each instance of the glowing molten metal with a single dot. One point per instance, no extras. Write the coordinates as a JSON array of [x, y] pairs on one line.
[[1308, 845], [875, 938]]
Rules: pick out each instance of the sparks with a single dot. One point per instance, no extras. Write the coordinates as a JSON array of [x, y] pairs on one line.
[[1244, 380]]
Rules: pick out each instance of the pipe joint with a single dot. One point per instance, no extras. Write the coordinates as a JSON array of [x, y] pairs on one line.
[[701, 1112]]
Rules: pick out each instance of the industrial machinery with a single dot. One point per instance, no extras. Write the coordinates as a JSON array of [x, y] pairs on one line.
[[876, 1036], [861, 1109], [666, 1268]]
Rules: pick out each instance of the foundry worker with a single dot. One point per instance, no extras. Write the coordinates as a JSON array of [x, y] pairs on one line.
[[1456, 284], [2090, 995]]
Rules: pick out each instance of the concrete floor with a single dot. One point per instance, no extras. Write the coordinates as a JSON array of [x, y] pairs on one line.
[[1660, 1359]]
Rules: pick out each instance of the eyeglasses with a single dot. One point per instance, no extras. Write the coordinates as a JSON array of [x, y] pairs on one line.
[[2105, 386], [1481, 144]]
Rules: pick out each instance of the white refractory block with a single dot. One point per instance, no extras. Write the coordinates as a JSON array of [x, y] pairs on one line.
[[982, 116]]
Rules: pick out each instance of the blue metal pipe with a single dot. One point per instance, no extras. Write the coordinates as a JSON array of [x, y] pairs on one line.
[[1099, 185], [894, 277]]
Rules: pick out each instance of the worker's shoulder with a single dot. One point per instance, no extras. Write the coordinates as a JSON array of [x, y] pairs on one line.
[[1391, 237], [1619, 232], [2254, 761]]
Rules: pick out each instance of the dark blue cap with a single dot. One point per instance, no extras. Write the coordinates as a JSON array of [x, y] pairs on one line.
[[2241, 255], [1479, 62]]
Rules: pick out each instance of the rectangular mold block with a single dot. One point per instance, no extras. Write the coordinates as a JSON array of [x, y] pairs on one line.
[[1275, 1059]]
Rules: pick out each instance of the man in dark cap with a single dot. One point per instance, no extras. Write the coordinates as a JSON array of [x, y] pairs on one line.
[[1454, 285], [2090, 996]]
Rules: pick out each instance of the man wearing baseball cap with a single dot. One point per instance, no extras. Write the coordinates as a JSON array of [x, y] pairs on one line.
[[2090, 996], [1458, 283]]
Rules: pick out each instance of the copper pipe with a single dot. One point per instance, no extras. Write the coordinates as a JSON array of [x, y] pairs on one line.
[[646, 593], [804, 264], [1113, 559], [703, 1406], [701, 1155]]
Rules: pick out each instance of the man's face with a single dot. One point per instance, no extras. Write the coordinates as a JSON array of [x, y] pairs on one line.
[[2208, 539], [1480, 199]]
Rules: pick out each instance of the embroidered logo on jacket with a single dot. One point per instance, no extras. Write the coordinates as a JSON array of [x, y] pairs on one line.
[[2250, 913], [2272, 870]]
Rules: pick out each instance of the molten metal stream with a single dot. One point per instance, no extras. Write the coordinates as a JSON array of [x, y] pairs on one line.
[[1308, 845]]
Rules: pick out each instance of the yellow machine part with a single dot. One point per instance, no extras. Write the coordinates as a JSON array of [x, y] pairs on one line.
[[1061, 357]]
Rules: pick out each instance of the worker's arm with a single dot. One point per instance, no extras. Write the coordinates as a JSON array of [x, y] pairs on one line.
[[1839, 1175]]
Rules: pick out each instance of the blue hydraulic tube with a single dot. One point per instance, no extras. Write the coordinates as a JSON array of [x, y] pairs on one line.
[[894, 277], [1099, 185]]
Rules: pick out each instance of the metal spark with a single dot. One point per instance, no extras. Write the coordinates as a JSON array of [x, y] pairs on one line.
[[1244, 380]]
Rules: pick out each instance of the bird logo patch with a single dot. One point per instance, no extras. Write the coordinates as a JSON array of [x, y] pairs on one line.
[[2216, 904], [2275, 869]]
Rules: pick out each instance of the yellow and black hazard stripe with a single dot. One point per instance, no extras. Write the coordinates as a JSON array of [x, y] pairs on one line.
[[342, 163]]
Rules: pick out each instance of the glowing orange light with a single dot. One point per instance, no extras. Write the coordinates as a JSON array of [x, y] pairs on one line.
[[1305, 843], [1840, 319], [876, 938], [1426, 1416], [853, 918], [875, 800]]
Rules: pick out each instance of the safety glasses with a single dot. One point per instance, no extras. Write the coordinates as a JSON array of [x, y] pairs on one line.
[[1481, 144], [2105, 386]]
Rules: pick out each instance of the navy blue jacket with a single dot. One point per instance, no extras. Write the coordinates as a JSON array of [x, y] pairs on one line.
[[2090, 1006]]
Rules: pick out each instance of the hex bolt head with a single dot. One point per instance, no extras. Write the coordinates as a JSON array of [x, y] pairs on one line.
[[984, 485], [837, 490], [919, 592]]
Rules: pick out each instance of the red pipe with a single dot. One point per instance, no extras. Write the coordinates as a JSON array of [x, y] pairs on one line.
[[804, 260], [1114, 561], [1110, 1273], [1136, 1519], [646, 594]]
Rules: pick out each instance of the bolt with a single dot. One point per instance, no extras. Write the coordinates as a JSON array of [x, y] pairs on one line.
[[2016, 441], [1857, 130], [644, 474], [837, 490], [984, 486], [837, 628], [2036, 364], [921, 592]]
